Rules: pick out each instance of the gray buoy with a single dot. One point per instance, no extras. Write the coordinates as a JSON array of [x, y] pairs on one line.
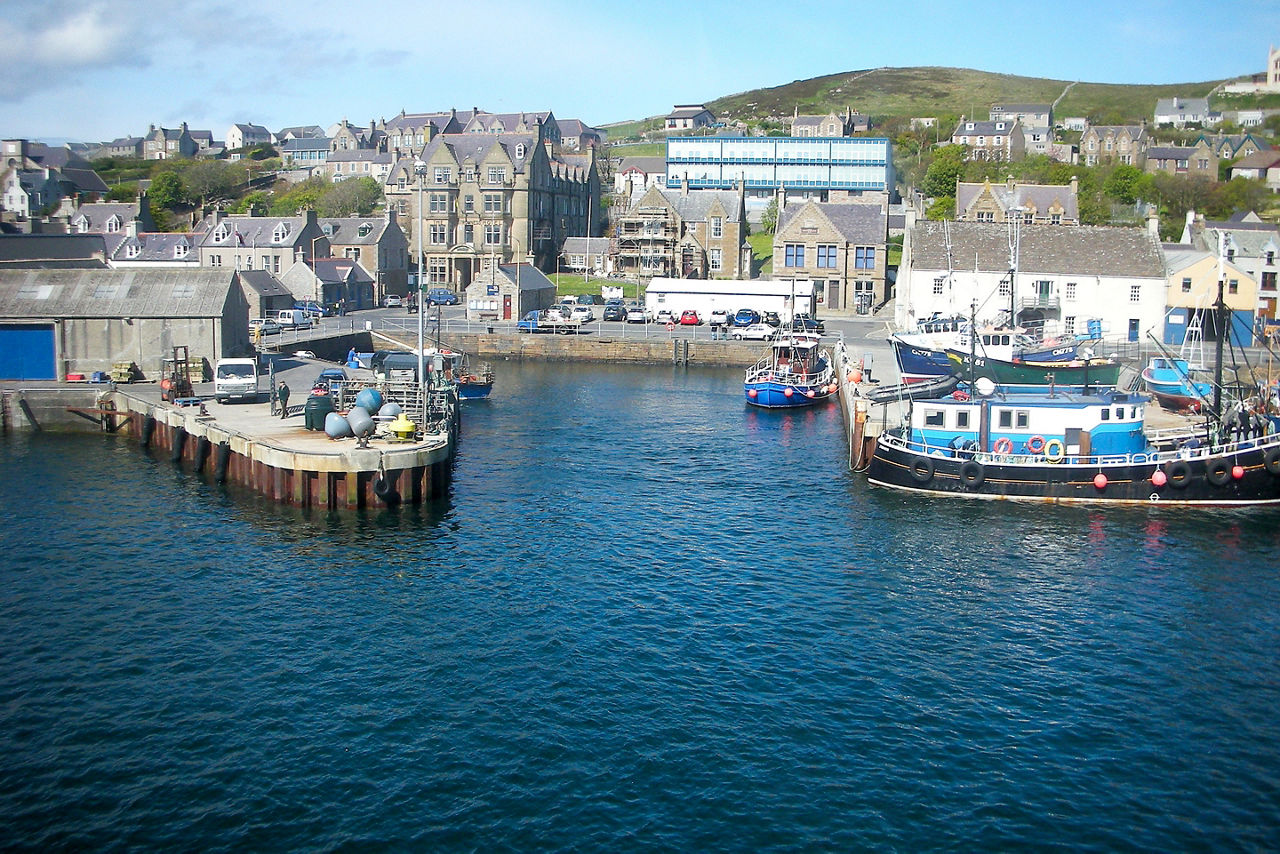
[[361, 421], [336, 426]]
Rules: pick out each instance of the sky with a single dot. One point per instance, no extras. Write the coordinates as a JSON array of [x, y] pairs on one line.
[[92, 71]]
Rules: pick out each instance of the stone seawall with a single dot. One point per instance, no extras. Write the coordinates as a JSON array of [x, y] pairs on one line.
[[603, 348]]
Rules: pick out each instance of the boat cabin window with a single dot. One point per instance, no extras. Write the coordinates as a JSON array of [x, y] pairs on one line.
[[1106, 415], [1005, 418], [934, 418], [962, 419], [1119, 413], [1023, 418]]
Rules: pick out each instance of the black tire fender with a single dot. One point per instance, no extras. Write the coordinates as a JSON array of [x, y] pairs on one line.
[[972, 474], [921, 469]]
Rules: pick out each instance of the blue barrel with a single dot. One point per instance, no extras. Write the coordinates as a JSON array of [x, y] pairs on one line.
[[336, 426], [370, 399]]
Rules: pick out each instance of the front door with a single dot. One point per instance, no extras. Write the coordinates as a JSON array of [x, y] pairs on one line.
[[1133, 329], [506, 306]]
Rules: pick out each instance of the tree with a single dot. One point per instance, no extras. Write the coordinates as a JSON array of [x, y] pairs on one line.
[[1122, 183], [254, 204], [300, 196], [123, 192], [167, 191], [212, 180], [354, 196], [769, 219], [945, 170]]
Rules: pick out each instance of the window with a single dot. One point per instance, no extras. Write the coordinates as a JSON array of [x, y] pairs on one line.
[[439, 203], [962, 419], [438, 271], [1186, 285], [1269, 281], [1135, 293], [469, 174], [1005, 418], [437, 234], [1004, 288], [1233, 286], [497, 174], [1023, 419], [493, 203], [715, 256], [468, 234], [864, 258], [934, 418], [468, 203], [1069, 325], [717, 226], [1070, 291], [1055, 219], [215, 260], [1105, 415], [106, 291], [794, 255], [132, 250], [986, 216], [1271, 257], [442, 175], [493, 232], [937, 285], [184, 290], [827, 255], [520, 151]]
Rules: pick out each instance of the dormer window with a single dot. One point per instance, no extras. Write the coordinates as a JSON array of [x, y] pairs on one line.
[[999, 125], [281, 232], [221, 232], [180, 250], [114, 222], [132, 250], [520, 151], [969, 126], [365, 229], [327, 228]]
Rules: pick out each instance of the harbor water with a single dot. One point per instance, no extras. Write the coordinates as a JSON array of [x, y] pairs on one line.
[[648, 617]]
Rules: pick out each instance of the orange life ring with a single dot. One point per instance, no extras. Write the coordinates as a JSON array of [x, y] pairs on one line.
[[1035, 444], [1003, 445]]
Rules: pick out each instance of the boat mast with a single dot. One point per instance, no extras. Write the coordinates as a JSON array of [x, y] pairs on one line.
[[1220, 314]]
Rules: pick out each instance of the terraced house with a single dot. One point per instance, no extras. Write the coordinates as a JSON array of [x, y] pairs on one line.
[[492, 194], [839, 249], [1114, 144], [1034, 204], [686, 234]]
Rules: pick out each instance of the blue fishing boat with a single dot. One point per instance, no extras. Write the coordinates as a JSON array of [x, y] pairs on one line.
[[473, 383], [1068, 447], [1169, 380], [794, 372]]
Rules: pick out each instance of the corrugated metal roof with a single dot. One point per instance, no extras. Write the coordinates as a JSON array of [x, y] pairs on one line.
[[114, 293]]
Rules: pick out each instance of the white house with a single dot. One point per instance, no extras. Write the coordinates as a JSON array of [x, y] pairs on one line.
[[1065, 276], [246, 136]]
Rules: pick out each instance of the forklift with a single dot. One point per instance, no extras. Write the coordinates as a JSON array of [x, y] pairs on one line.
[[176, 380]]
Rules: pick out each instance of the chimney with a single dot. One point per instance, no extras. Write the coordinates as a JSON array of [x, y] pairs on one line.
[[684, 185], [1153, 224], [131, 228], [1008, 183], [1075, 184]]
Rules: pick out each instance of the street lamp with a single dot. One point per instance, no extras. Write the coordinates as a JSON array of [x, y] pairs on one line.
[[420, 169]]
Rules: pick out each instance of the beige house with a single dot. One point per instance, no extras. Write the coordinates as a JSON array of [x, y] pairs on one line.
[[1114, 144], [270, 243], [1183, 160], [1193, 290], [1036, 204], [840, 249], [998, 140], [508, 292], [829, 125], [689, 234], [377, 244], [686, 117]]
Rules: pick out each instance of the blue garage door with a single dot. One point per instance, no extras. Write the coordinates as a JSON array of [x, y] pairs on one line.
[[26, 352]]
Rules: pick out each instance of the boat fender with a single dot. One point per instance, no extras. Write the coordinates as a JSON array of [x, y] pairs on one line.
[[1237, 472], [1179, 473], [203, 447], [1218, 472], [972, 474], [221, 461], [1100, 481], [1271, 459], [1036, 444], [1159, 478], [179, 443], [148, 430], [1003, 445], [921, 469], [1054, 451], [384, 489]]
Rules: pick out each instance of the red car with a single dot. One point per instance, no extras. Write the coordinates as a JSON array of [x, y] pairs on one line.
[[690, 318]]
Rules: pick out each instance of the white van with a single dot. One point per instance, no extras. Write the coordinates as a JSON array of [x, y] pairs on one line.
[[235, 379], [292, 317]]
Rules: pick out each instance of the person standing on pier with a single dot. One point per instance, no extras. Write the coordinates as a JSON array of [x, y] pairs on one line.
[[283, 394]]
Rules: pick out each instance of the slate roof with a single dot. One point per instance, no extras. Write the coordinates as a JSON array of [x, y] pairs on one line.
[[1258, 160], [345, 231], [250, 231], [339, 270], [684, 111], [1039, 196], [695, 206], [156, 246], [470, 146], [807, 121], [647, 165], [1250, 240], [43, 250], [985, 128], [1084, 250], [530, 277], [301, 132], [114, 293], [359, 155], [1170, 152], [96, 214], [84, 180], [585, 246], [865, 224], [306, 144], [263, 283]]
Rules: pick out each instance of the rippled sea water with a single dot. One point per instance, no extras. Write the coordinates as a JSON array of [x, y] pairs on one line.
[[646, 618]]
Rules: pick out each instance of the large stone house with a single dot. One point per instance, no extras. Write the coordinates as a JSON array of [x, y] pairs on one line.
[[168, 143], [1036, 121], [246, 136], [1183, 160], [330, 281], [840, 249], [377, 244], [1065, 276], [1000, 140], [358, 163], [1035, 204], [696, 234], [1114, 144], [831, 124], [259, 242], [513, 195]]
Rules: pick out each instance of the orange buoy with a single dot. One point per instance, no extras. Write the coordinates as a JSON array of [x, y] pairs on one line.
[[1159, 478], [856, 376], [788, 392], [1237, 472], [752, 392], [1100, 480]]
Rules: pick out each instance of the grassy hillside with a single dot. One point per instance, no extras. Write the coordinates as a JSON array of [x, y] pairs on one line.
[[904, 92]]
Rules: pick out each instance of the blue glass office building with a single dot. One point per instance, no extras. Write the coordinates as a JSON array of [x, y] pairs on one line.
[[812, 167]]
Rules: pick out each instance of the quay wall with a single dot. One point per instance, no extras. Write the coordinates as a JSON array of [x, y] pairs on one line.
[[601, 348], [52, 406]]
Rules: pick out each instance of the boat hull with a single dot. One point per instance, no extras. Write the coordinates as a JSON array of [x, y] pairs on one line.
[[775, 395], [1207, 478], [1099, 372], [920, 364]]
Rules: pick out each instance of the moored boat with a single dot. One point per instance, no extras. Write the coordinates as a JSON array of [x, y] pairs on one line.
[[1169, 380], [921, 356], [1089, 371], [793, 372], [473, 382], [1070, 448]]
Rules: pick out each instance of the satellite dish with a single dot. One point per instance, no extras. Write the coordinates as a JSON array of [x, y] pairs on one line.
[[985, 386]]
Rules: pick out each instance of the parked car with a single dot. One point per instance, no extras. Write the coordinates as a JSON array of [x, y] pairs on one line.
[[568, 299], [441, 296], [719, 317], [636, 314], [754, 332], [615, 312], [689, 317], [590, 299], [771, 318], [582, 313], [292, 318], [313, 309], [328, 377], [805, 323], [265, 326], [746, 317], [392, 301], [664, 315]]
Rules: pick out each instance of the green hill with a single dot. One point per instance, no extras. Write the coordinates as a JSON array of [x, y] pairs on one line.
[[907, 92]]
